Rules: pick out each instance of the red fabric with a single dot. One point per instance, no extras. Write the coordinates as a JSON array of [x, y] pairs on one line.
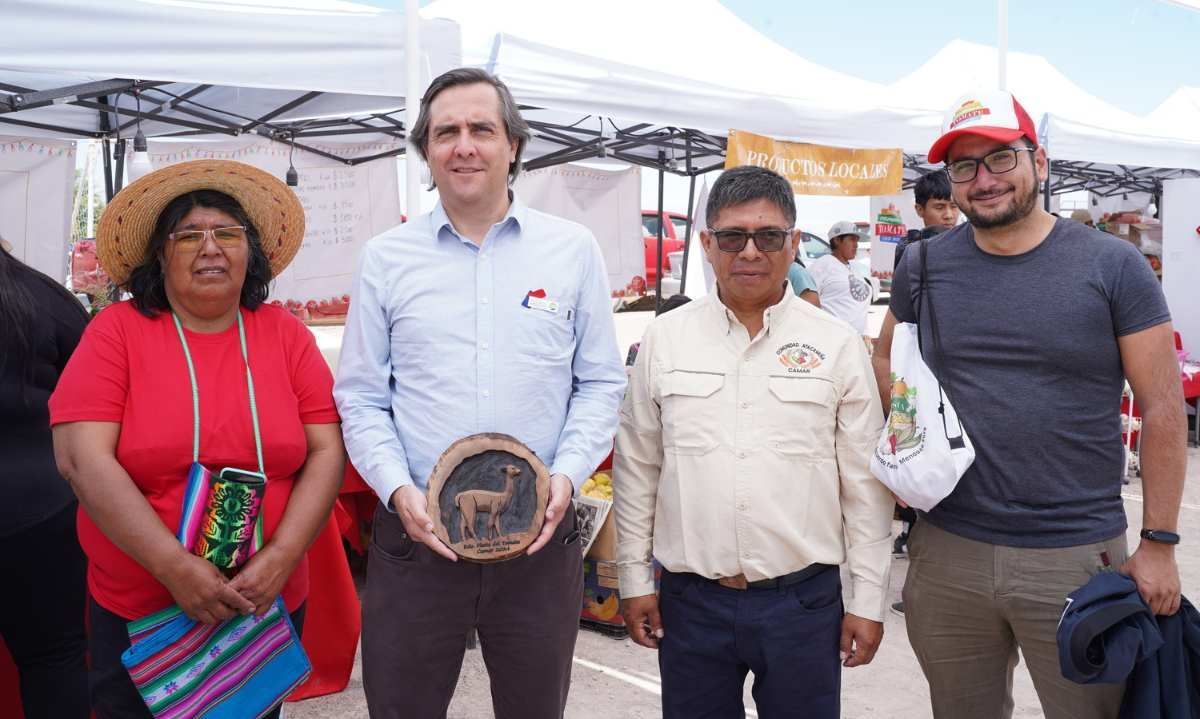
[[130, 369], [357, 502], [10, 686], [332, 617]]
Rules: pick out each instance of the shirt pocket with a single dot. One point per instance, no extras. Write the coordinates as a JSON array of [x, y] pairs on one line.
[[803, 416], [545, 335], [691, 410]]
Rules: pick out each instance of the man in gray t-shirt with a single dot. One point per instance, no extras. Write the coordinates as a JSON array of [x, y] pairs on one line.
[[1041, 320]]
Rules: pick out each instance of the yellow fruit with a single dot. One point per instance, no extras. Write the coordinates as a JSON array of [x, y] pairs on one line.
[[602, 478], [588, 486]]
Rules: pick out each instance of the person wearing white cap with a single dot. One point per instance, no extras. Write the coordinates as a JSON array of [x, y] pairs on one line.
[[846, 295], [1034, 360]]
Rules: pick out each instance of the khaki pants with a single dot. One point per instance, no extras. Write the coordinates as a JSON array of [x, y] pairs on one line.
[[970, 605]]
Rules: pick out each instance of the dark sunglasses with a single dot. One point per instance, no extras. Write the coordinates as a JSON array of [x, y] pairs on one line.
[[769, 240]]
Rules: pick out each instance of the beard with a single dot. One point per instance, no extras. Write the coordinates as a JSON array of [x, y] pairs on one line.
[[1018, 209]]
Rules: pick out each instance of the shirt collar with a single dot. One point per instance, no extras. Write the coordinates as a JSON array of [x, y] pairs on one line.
[[773, 314], [516, 216]]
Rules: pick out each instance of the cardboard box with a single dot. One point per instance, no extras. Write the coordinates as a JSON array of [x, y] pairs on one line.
[[601, 597], [604, 547]]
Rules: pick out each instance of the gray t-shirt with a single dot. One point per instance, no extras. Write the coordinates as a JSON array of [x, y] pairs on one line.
[[1033, 368]]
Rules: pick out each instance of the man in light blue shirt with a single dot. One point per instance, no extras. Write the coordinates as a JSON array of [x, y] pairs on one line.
[[482, 316]]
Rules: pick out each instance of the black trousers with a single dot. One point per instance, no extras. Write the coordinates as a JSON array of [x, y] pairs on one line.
[[714, 636], [419, 607], [113, 694], [41, 616]]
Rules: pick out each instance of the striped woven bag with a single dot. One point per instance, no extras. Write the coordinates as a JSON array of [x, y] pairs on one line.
[[238, 669]]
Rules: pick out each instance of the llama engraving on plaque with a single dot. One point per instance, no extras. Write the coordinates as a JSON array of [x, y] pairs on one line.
[[487, 497]]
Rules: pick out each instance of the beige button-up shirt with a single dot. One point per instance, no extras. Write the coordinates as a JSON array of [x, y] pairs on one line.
[[740, 456]]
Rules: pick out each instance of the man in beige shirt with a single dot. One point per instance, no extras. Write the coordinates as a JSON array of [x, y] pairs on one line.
[[742, 466]]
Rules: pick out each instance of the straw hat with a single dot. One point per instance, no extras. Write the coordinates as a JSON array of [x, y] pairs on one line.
[[128, 221]]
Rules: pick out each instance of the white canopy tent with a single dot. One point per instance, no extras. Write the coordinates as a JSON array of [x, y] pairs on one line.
[[662, 75], [1179, 113], [1091, 141], [289, 71]]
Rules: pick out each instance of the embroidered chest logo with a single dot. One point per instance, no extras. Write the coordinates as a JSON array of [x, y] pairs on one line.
[[800, 358], [904, 432]]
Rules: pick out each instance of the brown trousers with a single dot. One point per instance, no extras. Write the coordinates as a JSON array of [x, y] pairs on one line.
[[969, 606], [419, 607]]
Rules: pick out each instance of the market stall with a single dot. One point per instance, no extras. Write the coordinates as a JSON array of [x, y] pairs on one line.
[[305, 83]]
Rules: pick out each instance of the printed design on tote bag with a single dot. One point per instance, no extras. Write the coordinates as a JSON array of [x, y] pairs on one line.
[[903, 431]]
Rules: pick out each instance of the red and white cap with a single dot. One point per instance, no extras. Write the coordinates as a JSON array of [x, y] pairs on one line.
[[995, 114]]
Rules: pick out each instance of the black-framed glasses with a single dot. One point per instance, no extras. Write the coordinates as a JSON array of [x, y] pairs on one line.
[[768, 240], [226, 237], [1000, 161]]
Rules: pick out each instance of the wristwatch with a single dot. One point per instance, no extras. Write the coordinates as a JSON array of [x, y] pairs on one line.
[[1160, 535]]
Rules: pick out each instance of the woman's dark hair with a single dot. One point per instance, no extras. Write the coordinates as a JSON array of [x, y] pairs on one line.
[[18, 314], [147, 282]]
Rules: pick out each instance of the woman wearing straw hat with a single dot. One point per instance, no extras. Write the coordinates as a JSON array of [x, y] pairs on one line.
[[194, 369]]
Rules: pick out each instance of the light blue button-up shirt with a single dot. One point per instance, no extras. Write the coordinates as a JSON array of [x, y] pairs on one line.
[[441, 342]]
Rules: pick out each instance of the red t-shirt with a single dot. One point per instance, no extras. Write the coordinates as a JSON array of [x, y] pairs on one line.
[[131, 369]]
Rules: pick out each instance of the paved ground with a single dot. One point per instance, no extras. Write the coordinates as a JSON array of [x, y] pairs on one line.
[[614, 679]]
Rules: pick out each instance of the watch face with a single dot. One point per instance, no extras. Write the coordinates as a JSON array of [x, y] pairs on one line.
[[487, 497]]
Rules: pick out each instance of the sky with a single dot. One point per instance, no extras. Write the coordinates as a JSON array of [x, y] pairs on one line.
[[1130, 53]]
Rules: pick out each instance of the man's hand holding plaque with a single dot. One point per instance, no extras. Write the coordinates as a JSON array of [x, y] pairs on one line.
[[561, 492], [410, 503]]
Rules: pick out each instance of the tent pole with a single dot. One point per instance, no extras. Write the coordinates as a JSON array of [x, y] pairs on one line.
[[119, 152], [1046, 199], [412, 105], [106, 152], [658, 261], [687, 239], [1002, 43]]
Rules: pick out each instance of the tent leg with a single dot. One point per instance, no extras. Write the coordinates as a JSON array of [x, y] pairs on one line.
[[106, 152], [687, 239], [119, 151], [658, 255], [1046, 193]]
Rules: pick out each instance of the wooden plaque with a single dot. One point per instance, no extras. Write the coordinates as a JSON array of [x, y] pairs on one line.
[[487, 497]]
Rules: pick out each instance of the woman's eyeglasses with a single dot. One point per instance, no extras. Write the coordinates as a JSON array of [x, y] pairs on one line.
[[226, 237]]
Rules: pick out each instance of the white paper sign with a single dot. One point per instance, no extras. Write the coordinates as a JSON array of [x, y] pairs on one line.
[[344, 205]]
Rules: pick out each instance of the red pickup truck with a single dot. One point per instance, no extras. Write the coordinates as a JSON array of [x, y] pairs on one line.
[[674, 227]]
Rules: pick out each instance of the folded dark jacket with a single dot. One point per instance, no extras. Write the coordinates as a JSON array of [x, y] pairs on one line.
[[1107, 634]]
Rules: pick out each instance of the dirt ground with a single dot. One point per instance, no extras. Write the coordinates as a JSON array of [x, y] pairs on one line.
[[615, 679]]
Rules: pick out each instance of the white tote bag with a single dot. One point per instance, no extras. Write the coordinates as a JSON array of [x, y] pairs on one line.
[[924, 449]]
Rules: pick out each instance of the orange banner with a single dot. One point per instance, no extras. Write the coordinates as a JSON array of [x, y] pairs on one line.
[[817, 169]]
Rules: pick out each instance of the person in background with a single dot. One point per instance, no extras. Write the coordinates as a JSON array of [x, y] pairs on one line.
[[42, 611], [196, 244], [935, 203], [844, 294], [1084, 217], [935, 206], [802, 281]]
